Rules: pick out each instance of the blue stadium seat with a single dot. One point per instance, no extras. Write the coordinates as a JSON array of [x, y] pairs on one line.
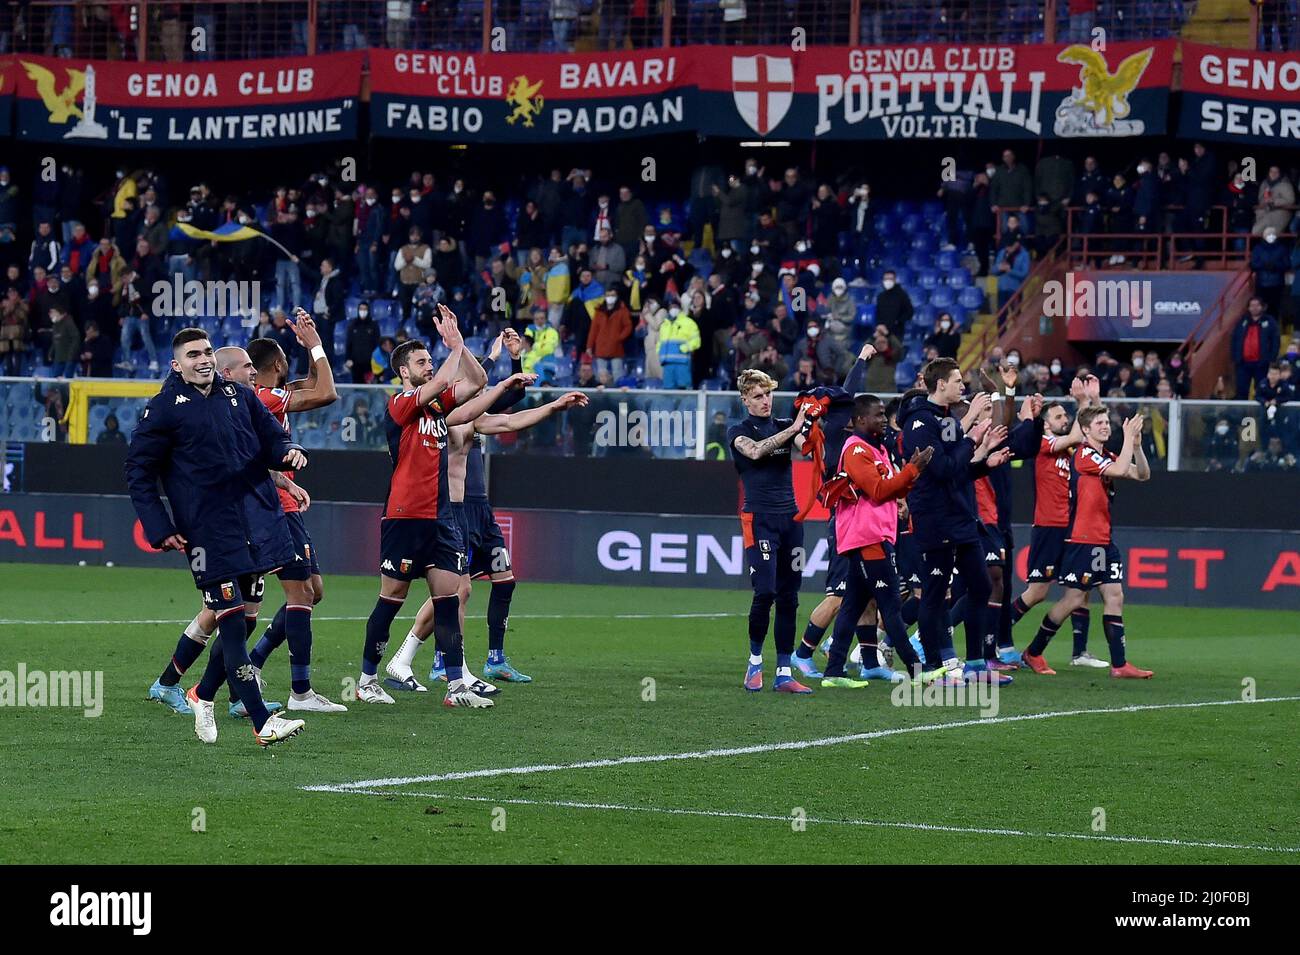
[[886, 224], [924, 317], [959, 279], [943, 297], [972, 298], [906, 207], [932, 209], [866, 317], [946, 260], [388, 325], [918, 295], [860, 294], [381, 308], [927, 278]]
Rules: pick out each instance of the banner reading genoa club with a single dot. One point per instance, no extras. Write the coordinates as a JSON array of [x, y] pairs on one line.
[[236, 104], [500, 97], [1240, 95], [936, 92]]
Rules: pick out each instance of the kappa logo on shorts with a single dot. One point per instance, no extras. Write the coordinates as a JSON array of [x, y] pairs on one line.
[[880, 585], [207, 598], [386, 565], [936, 572], [228, 591], [1033, 574], [1072, 579], [406, 565]]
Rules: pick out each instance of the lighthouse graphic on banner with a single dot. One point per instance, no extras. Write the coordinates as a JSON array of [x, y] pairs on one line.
[[86, 127], [763, 88]]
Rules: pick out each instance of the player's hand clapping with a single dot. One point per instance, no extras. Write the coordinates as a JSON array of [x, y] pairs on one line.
[[296, 460], [304, 329], [574, 399], [921, 457], [448, 328]]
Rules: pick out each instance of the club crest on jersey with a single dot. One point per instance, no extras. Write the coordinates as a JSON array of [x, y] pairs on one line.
[[229, 390], [765, 548], [406, 565], [228, 591]]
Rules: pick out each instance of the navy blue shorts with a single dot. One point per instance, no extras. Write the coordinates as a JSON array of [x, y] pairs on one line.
[[409, 546], [221, 595], [302, 547], [485, 546], [837, 573], [1084, 566], [994, 543], [1046, 548], [774, 552], [908, 558]]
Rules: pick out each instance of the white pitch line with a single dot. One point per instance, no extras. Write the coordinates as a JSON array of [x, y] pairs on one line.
[[472, 616], [870, 823], [768, 747]]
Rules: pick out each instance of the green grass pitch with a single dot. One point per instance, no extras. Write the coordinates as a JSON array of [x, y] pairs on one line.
[[1164, 784]]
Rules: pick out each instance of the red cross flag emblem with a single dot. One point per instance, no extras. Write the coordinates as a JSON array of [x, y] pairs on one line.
[[763, 88]]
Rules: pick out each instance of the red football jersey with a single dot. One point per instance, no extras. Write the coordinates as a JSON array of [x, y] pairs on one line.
[[1052, 484], [417, 444], [1090, 494], [277, 402], [986, 501]]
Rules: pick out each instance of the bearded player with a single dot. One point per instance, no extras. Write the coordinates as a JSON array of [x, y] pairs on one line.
[[1090, 558]]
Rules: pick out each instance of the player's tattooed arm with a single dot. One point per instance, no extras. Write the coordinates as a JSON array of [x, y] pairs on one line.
[[317, 389], [760, 449]]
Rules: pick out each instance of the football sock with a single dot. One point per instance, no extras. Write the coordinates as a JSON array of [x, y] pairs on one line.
[[405, 654], [297, 629], [381, 618], [446, 632], [274, 636], [238, 670], [1046, 630], [1079, 620], [760, 614], [866, 633], [911, 610], [498, 612], [992, 615], [787, 609], [188, 649], [1018, 609], [812, 636], [1113, 624]]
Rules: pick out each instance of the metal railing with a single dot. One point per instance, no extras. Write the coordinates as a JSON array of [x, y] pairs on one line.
[[153, 30], [1179, 435]]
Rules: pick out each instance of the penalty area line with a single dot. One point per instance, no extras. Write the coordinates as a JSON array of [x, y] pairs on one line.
[[773, 747], [816, 820]]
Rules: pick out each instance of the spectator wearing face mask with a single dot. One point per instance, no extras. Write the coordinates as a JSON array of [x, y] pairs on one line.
[[679, 338], [1276, 203], [946, 338], [611, 327], [733, 213], [843, 311], [893, 306], [1254, 344], [1012, 267], [1222, 451], [1269, 261], [881, 371], [647, 329], [761, 279], [363, 339], [832, 359]]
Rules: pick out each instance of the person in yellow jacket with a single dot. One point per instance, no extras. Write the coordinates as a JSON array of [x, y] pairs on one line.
[[679, 337], [546, 341]]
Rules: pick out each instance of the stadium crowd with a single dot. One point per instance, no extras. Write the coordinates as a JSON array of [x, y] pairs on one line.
[[757, 269]]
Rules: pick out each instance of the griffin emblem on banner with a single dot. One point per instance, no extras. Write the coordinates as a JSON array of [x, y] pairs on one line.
[[525, 100], [1099, 105], [61, 104]]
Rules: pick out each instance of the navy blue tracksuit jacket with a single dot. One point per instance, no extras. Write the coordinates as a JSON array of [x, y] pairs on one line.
[[212, 456], [942, 500]]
